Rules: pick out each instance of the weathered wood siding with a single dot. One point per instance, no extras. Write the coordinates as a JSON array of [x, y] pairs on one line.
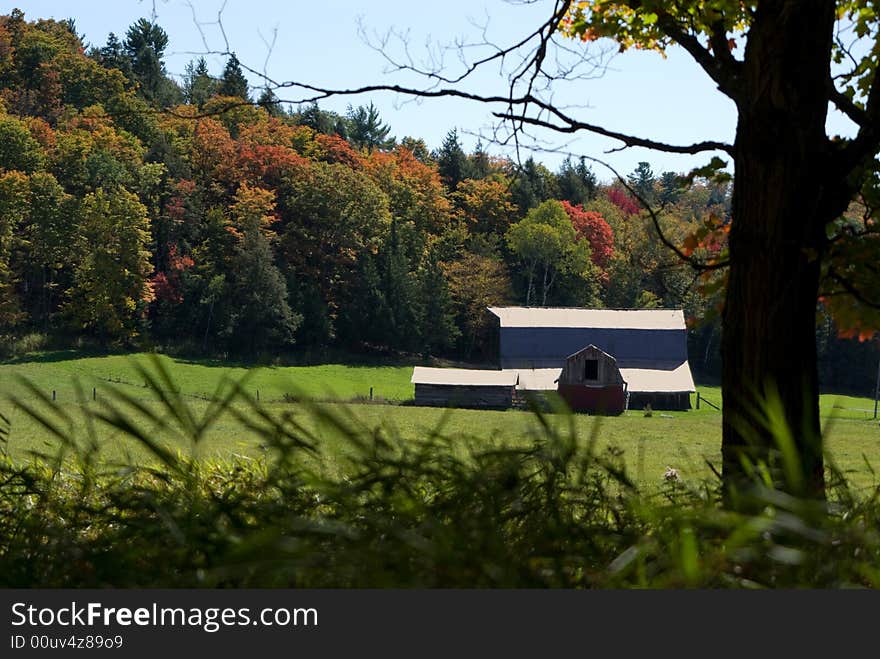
[[454, 395], [575, 365], [602, 394], [660, 401]]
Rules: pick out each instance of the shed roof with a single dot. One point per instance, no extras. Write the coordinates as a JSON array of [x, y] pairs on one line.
[[536, 379], [662, 319], [463, 377], [661, 378]]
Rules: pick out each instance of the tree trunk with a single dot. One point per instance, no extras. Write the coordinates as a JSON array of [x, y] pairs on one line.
[[544, 287], [783, 198]]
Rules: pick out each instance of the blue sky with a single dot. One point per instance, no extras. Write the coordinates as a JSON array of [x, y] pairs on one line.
[[639, 93]]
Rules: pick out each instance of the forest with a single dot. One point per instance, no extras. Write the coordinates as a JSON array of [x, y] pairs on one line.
[[202, 216]]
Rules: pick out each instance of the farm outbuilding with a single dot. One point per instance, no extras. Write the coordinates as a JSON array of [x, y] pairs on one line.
[[544, 337], [649, 347], [460, 387], [598, 360], [591, 382]]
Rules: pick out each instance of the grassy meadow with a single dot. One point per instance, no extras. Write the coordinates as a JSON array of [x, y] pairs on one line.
[[683, 440], [174, 476]]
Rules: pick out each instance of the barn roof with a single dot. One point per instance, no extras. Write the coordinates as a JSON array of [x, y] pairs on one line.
[[650, 319], [590, 347], [463, 377], [660, 378]]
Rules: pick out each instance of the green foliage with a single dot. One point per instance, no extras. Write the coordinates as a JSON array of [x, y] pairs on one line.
[[233, 82], [18, 150], [441, 512], [111, 265], [452, 161], [145, 44], [198, 85], [546, 242], [366, 130], [577, 183]]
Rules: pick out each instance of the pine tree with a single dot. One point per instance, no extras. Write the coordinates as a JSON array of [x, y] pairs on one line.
[[233, 81], [452, 162], [438, 329], [269, 102], [642, 181], [198, 85], [577, 183], [145, 43], [366, 130]]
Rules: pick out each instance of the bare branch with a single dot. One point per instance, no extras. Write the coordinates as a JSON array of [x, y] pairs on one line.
[[572, 126]]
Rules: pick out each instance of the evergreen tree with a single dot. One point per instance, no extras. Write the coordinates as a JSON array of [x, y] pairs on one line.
[[112, 56], [438, 329], [145, 43], [452, 162], [642, 181], [532, 184], [320, 121], [261, 316], [401, 294], [669, 188], [481, 167], [366, 130], [577, 183], [198, 85], [269, 102], [233, 81]]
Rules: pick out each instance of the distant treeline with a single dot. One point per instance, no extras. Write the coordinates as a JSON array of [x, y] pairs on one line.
[[204, 215]]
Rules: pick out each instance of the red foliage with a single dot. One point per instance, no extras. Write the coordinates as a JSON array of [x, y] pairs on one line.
[[624, 201], [592, 226], [176, 205], [166, 285], [42, 132]]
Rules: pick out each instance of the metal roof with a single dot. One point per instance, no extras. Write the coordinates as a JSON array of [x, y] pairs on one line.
[[536, 379], [660, 378], [651, 319], [590, 347], [663, 378], [463, 377]]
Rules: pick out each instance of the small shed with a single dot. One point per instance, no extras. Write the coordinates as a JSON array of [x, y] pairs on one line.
[[591, 381], [460, 387]]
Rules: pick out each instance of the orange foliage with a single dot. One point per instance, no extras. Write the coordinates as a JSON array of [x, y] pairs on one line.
[[334, 149], [414, 189]]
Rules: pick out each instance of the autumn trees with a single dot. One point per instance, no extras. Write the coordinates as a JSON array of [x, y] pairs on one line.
[[224, 227]]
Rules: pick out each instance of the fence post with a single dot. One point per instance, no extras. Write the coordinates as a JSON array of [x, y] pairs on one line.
[[53, 394], [371, 398], [94, 393], [258, 395], [877, 389], [698, 400]]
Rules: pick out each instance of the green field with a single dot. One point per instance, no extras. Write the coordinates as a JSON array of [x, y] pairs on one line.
[[684, 440]]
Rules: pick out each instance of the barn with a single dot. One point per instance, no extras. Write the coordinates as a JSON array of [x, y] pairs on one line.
[[590, 381], [461, 387], [649, 347]]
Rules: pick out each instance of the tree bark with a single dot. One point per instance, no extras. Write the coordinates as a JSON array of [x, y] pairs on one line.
[[783, 197]]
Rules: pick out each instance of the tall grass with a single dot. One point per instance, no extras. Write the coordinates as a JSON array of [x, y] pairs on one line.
[[557, 513]]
